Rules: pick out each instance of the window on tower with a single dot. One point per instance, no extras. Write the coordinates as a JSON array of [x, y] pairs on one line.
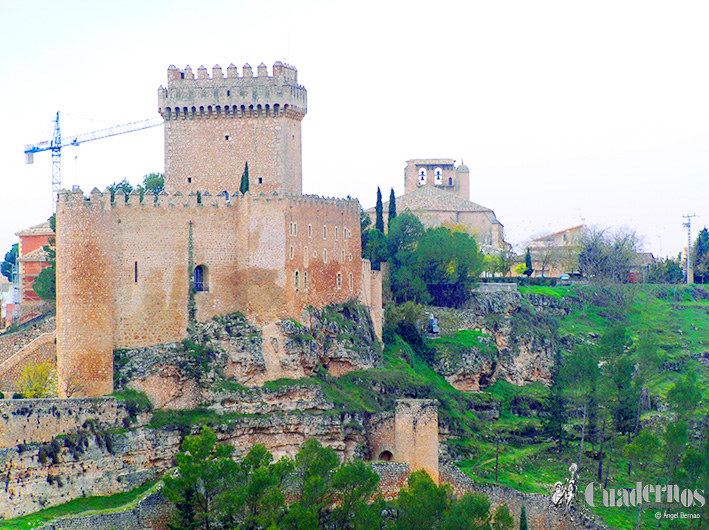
[[422, 176]]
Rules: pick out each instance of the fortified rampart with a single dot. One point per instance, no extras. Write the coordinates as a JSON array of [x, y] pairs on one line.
[[214, 125], [125, 268]]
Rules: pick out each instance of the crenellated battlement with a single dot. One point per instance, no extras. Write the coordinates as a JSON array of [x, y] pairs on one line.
[[233, 95], [76, 198]]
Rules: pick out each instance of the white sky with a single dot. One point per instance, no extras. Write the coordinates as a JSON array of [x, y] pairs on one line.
[[562, 110]]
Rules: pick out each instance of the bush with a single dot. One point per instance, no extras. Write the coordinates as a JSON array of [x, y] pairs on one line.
[[18, 395]]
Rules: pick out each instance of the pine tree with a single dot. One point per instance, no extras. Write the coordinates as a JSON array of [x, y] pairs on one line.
[[379, 225], [528, 264], [245, 179], [392, 207]]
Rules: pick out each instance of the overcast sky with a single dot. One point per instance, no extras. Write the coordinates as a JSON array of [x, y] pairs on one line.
[[563, 110]]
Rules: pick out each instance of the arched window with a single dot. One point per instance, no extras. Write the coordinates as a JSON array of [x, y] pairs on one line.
[[296, 280], [438, 173], [450, 181], [339, 280], [324, 255], [305, 281], [422, 177], [200, 278], [351, 282]]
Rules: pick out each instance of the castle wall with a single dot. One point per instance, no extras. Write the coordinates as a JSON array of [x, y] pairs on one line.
[[28, 421], [324, 236], [370, 294], [11, 343], [87, 277], [126, 268], [381, 437]]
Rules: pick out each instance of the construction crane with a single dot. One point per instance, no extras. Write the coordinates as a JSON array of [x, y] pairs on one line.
[[56, 144]]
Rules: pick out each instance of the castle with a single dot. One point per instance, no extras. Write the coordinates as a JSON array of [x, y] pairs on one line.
[[133, 273]]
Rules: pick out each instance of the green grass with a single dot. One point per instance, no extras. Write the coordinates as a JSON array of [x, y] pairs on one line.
[[556, 292], [79, 506]]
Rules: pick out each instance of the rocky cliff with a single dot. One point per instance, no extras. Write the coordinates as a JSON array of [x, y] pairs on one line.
[[230, 353], [513, 338]]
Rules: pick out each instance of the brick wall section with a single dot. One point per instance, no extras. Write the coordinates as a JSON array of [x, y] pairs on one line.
[[11, 343], [41, 350], [416, 435], [215, 124], [41, 420], [381, 435]]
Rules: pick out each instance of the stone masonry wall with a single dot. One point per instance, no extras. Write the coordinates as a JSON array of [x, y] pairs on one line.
[[41, 350], [27, 421], [416, 435], [540, 515], [152, 512], [11, 343], [215, 124], [123, 278]]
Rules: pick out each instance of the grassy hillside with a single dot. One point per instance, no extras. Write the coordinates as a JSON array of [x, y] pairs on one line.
[[667, 330]]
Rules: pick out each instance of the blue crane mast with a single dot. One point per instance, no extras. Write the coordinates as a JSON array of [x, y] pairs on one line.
[[56, 144]]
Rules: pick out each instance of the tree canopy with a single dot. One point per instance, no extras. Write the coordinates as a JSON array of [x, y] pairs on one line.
[[244, 187], [7, 266], [701, 257]]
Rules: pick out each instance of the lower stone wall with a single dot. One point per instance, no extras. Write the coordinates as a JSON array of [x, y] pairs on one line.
[[151, 512], [43, 349], [11, 343], [39, 476], [26, 421], [540, 514], [392, 477]]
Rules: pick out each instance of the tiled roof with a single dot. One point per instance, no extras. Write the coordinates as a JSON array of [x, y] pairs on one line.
[[42, 229], [559, 233], [432, 199], [38, 254]]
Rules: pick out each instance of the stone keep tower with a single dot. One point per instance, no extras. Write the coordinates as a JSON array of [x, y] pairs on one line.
[[416, 435], [215, 125]]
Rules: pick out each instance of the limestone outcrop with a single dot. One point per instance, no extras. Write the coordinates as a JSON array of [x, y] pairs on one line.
[[516, 339], [230, 353]]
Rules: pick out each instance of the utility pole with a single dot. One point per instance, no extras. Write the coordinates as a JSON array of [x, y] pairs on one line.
[[688, 225]]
